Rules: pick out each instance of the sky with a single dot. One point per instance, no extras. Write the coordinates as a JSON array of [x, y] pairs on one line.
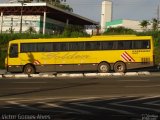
[[122, 9]]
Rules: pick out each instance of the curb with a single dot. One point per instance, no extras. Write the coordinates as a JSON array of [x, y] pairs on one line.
[[63, 75], [104, 74], [118, 74], [76, 75], [131, 74], [91, 74], [73, 75], [9, 76], [144, 73], [21, 75]]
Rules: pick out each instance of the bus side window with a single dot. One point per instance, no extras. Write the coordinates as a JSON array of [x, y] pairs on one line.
[[13, 52], [146, 44], [120, 45]]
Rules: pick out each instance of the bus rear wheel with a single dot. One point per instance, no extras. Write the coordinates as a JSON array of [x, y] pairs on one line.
[[29, 69], [119, 67], [103, 67]]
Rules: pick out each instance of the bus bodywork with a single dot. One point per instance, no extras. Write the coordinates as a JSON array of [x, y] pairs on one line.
[[100, 53]]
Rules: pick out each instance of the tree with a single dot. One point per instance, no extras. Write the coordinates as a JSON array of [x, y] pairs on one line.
[[57, 3], [119, 30], [31, 30], [74, 31], [144, 24], [155, 23]]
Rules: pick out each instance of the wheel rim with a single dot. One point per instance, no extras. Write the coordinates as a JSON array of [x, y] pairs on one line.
[[103, 68], [28, 70], [120, 68]]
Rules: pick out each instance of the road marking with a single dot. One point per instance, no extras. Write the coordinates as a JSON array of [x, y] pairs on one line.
[[79, 99], [137, 107], [156, 103], [142, 98], [96, 100], [23, 106], [63, 107], [102, 108]]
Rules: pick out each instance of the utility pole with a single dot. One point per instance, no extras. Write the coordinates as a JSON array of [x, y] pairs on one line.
[[158, 17], [1, 21], [21, 16], [22, 3], [11, 25]]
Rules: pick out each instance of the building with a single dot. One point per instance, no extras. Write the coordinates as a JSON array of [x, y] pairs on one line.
[[107, 22], [42, 17], [131, 24], [106, 14]]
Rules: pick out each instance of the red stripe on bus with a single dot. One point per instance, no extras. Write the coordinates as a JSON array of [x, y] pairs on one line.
[[124, 58], [127, 57], [130, 56]]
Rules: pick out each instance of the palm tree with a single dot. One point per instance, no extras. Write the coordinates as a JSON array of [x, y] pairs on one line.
[[144, 24]]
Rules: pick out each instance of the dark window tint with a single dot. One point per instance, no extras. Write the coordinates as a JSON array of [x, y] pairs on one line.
[[143, 44], [81, 46], [124, 45], [61, 46], [28, 47], [92, 45], [110, 45], [76, 46], [13, 52], [44, 47]]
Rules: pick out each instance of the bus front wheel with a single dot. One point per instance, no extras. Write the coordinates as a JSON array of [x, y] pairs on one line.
[[103, 67], [29, 69], [119, 67]]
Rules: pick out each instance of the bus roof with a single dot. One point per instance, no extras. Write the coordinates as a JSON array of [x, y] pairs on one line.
[[93, 38]]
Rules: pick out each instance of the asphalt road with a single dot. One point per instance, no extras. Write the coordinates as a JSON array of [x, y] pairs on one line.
[[102, 98]]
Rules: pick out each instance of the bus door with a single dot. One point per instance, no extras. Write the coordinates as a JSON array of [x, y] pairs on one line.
[[13, 59]]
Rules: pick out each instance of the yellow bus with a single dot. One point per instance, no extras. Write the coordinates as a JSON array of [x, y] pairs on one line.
[[97, 53]]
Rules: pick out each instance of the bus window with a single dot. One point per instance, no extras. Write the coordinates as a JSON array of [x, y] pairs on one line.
[[76, 46], [124, 45], [28, 47], [143, 44], [44, 47], [92, 45], [108, 45], [59, 47], [13, 52]]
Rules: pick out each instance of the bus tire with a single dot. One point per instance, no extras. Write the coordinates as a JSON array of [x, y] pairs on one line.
[[29, 69], [103, 67], [120, 67]]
